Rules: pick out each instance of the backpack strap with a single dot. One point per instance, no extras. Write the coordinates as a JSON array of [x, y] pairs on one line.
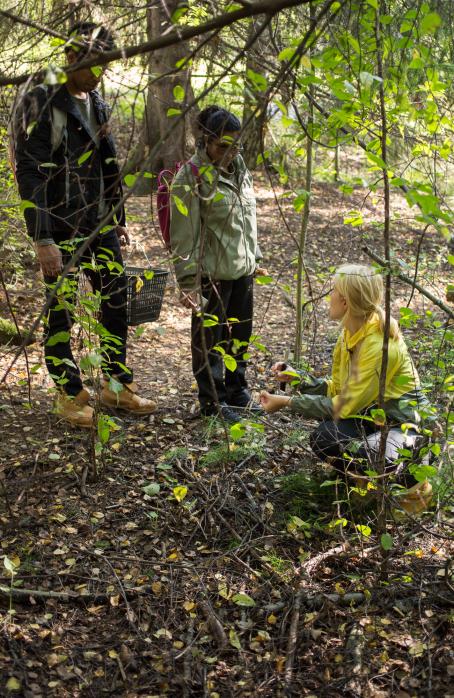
[[195, 171], [58, 119]]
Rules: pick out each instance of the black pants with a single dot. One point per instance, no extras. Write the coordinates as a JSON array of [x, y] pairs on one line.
[[344, 443], [107, 277], [226, 299]]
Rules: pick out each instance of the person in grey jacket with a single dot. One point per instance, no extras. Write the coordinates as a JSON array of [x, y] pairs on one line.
[[213, 237]]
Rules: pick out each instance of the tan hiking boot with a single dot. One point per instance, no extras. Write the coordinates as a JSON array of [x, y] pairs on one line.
[[127, 399], [417, 499], [75, 410]]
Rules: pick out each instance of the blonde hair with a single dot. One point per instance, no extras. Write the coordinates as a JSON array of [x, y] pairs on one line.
[[362, 288]]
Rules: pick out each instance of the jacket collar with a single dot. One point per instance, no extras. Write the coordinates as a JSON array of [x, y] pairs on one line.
[[369, 327], [202, 160], [63, 100]]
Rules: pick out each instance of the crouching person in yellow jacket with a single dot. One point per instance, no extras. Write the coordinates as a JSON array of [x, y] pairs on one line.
[[344, 437]]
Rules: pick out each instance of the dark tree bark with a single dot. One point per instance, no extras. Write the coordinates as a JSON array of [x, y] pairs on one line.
[[161, 97], [255, 102]]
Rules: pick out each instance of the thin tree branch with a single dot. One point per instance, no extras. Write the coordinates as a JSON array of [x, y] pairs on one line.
[[175, 36], [412, 282]]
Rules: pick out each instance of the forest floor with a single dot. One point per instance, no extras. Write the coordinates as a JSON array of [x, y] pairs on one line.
[[250, 579]]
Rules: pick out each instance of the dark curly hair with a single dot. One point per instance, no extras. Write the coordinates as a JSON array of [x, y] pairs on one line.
[[214, 121]]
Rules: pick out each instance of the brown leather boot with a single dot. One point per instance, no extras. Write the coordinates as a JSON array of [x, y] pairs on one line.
[[127, 399], [417, 499], [75, 410]]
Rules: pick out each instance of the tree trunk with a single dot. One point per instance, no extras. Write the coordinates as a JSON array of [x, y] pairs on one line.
[[255, 104], [161, 98]]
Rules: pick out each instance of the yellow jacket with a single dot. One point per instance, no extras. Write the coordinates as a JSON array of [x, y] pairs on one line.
[[354, 385]]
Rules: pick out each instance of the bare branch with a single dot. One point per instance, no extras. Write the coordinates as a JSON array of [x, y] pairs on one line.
[[178, 34]]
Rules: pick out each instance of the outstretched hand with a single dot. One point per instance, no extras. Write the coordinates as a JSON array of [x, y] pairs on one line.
[[122, 235], [189, 299], [273, 403]]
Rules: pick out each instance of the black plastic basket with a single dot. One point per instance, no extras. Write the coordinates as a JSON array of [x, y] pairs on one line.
[[145, 295]]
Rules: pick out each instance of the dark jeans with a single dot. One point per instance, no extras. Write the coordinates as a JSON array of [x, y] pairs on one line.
[[346, 436], [111, 283], [344, 443], [226, 299]]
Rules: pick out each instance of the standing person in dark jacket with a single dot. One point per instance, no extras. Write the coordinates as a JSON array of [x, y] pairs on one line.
[[66, 167]]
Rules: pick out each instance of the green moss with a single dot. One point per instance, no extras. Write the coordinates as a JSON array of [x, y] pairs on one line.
[[9, 334]]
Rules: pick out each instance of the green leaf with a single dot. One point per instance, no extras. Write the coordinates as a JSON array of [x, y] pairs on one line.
[[364, 530], [367, 79], [354, 218], [115, 386], [243, 600], [377, 160], [234, 639], [263, 280], [230, 362], [386, 541], [178, 93], [84, 157], [103, 429], [300, 201], [24, 204], [183, 209], [430, 23], [9, 565], [258, 81], [378, 416], [14, 684], [58, 338], [95, 359], [237, 431], [130, 180], [287, 54], [178, 14], [173, 112], [338, 522], [151, 489], [422, 472]]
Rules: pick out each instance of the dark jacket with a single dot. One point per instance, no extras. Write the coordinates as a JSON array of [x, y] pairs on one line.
[[63, 185]]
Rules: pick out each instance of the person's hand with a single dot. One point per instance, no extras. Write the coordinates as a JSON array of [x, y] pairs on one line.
[[273, 403], [189, 299], [50, 259], [122, 235], [283, 372], [261, 271]]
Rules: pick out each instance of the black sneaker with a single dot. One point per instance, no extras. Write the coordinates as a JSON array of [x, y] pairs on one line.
[[223, 411]]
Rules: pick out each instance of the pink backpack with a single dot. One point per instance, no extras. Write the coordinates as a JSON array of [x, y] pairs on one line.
[[165, 179]]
